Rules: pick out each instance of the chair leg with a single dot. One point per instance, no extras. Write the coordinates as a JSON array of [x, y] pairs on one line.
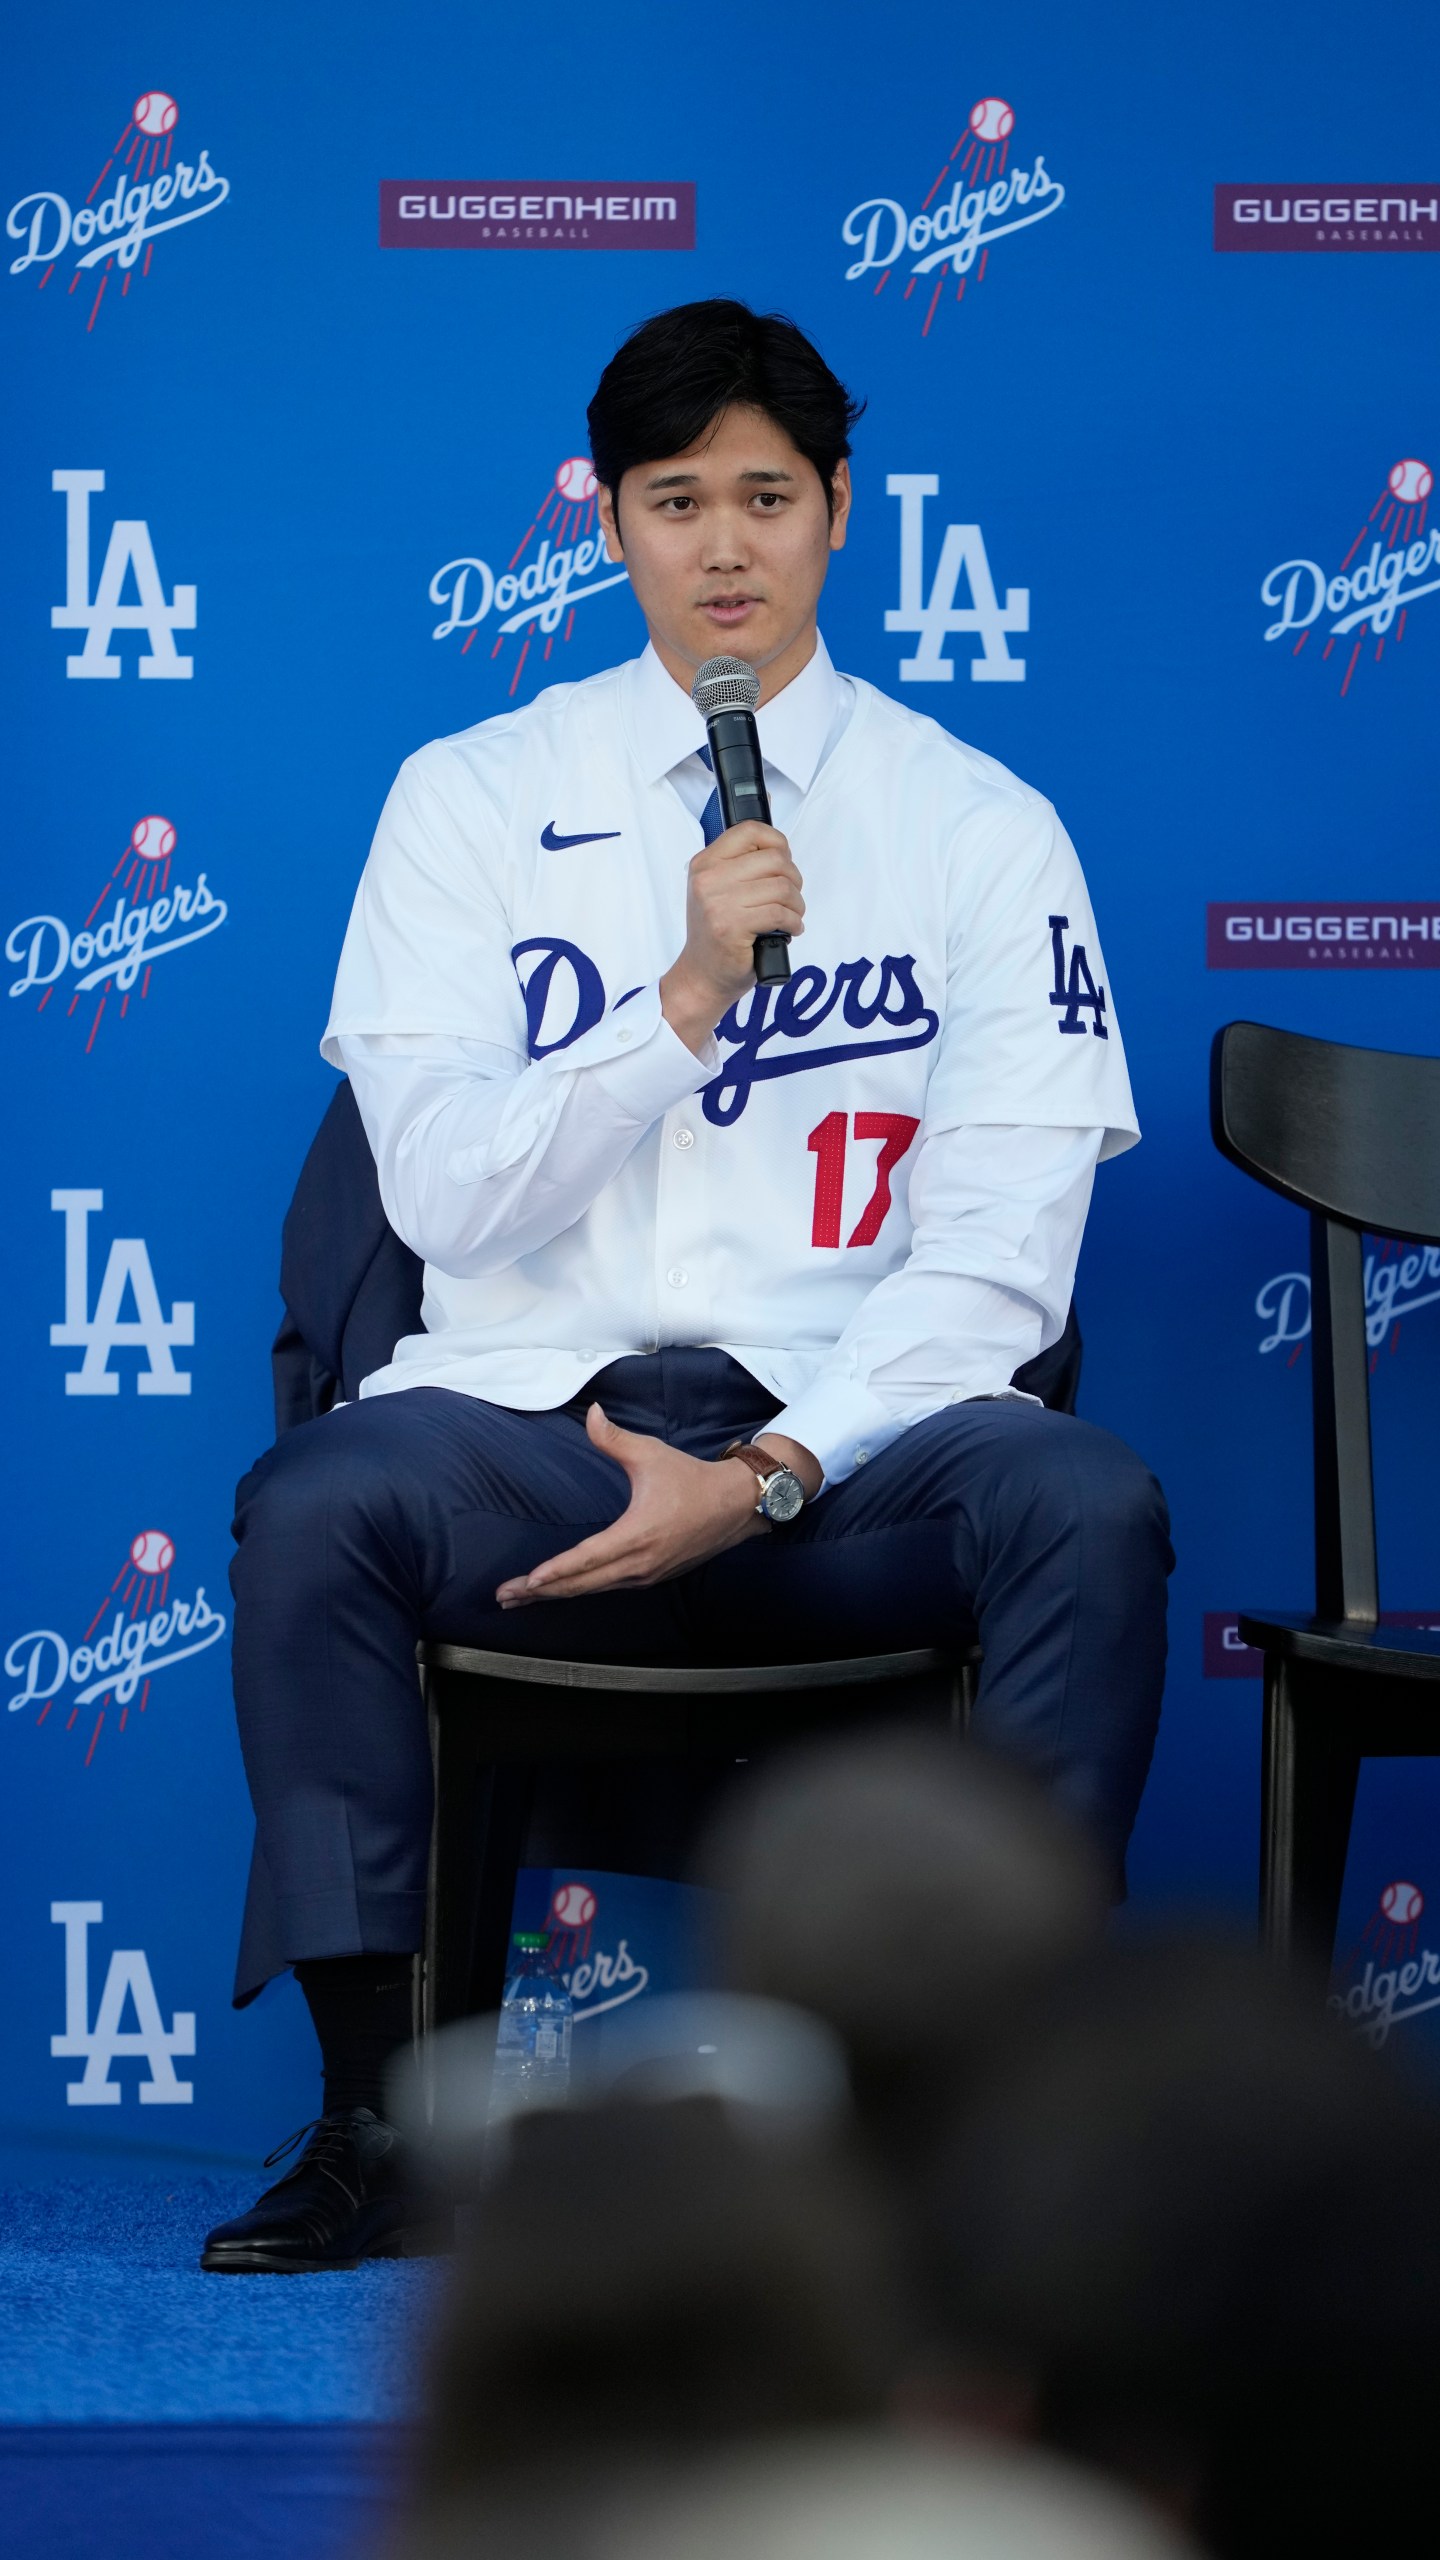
[[448, 1924], [482, 1814], [964, 1681], [1307, 1800], [510, 1798]]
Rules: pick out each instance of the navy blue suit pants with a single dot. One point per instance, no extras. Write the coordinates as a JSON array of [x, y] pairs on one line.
[[396, 1517]]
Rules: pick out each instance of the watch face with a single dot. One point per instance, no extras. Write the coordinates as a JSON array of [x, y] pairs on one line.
[[783, 1498]]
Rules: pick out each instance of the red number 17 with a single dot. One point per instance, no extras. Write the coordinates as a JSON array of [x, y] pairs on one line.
[[826, 1143]]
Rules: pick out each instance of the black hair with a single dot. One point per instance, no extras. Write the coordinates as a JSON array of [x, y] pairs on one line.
[[676, 373]]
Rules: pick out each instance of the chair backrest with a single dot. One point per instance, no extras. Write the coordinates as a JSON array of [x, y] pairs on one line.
[[1352, 1135], [351, 1288]]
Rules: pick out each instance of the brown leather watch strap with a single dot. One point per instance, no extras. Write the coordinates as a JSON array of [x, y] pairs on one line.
[[764, 1461]]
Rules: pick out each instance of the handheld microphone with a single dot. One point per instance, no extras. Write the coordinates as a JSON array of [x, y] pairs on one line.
[[725, 692]]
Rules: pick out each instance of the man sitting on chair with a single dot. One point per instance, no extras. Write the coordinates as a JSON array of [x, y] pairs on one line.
[[725, 1285]]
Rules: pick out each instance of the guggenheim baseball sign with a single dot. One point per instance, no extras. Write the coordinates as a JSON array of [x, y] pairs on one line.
[[1328, 217], [537, 213]]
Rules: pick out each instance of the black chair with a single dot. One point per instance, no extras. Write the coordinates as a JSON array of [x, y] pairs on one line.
[[351, 1289], [496, 1719], [1352, 1135]]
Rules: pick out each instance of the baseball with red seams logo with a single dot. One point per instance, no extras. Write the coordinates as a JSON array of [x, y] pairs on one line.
[[1402, 1903], [153, 837], [152, 1551], [155, 112], [573, 1906], [992, 119]]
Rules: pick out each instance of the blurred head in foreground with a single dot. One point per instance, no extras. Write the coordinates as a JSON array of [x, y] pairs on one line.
[[853, 2495], [913, 1894], [859, 2498], [1200, 2233], [649, 2280]]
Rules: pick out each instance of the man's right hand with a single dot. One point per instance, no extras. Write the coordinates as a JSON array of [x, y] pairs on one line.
[[743, 884]]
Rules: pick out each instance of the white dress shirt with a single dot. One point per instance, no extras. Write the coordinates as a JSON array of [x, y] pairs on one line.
[[874, 1223]]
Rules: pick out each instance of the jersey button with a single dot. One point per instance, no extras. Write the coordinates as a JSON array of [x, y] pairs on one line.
[[862, 1457], [623, 1036], [676, 1277], [684, 1137]]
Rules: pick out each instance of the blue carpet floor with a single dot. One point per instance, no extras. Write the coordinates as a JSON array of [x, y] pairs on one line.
[[195, 2493], [149, 2412], [105, 2316]]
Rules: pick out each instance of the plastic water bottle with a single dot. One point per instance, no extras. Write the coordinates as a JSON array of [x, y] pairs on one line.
[[532, 2048]]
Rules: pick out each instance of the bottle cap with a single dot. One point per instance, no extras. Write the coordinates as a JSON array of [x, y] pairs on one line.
[[530, 1940]]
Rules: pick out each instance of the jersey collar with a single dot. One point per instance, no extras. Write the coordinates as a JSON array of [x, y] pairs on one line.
[[665, 728]]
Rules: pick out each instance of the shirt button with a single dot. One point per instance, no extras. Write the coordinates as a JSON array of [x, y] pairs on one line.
[[862, 1457], [623, 1036], [684, 1137], [676, 1277]]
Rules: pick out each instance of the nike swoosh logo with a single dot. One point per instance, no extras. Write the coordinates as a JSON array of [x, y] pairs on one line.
[[559, 844]]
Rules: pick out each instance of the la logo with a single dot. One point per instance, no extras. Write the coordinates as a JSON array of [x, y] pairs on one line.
[[1075, 991], [127, 1267], [129, 551], [935, 617], [127, 1980]]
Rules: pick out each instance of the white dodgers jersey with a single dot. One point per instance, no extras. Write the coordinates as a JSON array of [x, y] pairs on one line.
[[527, 891]]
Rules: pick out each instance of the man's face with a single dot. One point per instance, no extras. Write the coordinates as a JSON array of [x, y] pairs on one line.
[[727, 546]]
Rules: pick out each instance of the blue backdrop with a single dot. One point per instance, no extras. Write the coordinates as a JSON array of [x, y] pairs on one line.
[[1193, 463]]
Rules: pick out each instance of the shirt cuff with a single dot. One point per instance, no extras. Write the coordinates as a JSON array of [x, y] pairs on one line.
[[845, 1426], [841, 1424], [637, 1060]]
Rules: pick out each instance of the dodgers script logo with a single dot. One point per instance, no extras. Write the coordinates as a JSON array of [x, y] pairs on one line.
[[149, 197], [1362, 603], [136, 1631], [111, 955], [596, 1983], [1399, 1978], [986, 202], [128, 1983], [767, 1031], [565, 570], [1399, 1281]]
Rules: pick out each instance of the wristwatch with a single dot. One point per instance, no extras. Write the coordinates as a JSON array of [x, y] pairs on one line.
[[782, 1495]]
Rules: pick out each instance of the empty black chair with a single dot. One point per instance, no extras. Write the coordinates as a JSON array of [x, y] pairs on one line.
[[1352, 1135]]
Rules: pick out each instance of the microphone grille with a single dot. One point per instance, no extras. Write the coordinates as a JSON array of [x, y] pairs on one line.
[[725, 684]]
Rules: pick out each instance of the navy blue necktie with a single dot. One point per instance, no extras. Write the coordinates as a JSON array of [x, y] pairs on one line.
[[711, 820]]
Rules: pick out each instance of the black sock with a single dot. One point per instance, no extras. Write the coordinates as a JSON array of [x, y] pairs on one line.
[[361, 2008]]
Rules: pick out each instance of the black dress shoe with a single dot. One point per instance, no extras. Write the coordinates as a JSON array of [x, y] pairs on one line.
[[344, 2200]]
